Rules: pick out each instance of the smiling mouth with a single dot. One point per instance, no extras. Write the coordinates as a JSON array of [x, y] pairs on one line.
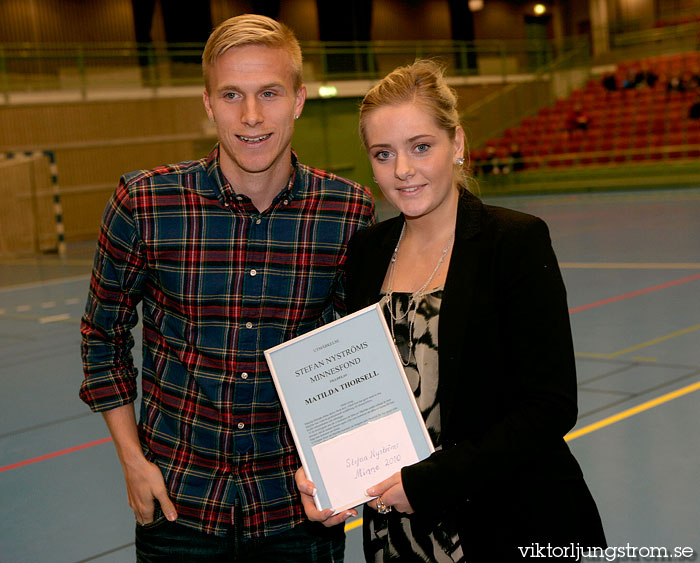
[[409, 189], [254, 140]]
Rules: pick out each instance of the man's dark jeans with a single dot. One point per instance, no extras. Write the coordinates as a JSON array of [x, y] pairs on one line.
[[162, 541]]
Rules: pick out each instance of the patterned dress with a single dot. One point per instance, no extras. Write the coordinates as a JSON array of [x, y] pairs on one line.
[[403, 537]]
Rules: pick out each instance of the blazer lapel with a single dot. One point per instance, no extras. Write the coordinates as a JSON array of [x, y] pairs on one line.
[[378, 260], [458, 298]]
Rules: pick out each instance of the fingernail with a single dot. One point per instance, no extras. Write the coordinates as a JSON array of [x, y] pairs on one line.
[[171, 516], [369, 492], [313, 493]]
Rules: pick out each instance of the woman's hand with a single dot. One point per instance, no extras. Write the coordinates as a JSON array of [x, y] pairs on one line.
[[307, 489], [391, 493]]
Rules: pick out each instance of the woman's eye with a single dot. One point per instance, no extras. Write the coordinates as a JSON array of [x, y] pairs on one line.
[[422, 147], [382, 155]]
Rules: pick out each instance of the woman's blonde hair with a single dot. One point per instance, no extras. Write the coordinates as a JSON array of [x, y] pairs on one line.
[[251, 29], [423, 83]]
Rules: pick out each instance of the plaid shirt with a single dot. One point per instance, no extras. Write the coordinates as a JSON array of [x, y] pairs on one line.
[[219, 283]]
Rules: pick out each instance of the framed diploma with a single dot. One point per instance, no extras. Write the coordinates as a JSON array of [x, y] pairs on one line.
[[349, 406]]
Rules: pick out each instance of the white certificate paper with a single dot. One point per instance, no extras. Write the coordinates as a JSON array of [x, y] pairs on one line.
[[349, 406]]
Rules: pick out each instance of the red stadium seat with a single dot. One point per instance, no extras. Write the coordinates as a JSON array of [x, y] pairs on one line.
[[629, 125]]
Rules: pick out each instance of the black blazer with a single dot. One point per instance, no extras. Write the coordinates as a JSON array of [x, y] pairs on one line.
[[507, 379]]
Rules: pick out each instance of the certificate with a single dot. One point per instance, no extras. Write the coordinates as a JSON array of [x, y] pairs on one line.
[[349, 406]]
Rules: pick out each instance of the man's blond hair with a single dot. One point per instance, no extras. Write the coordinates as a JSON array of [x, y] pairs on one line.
[[251, 29]]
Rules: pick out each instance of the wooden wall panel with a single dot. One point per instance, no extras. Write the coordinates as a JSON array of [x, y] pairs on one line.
[[401, 20], [90, 158], [27, 221], [45, 126], [89, 176], [83, 212], [16, 21], [16, 217], [66, 21], [105, 165]]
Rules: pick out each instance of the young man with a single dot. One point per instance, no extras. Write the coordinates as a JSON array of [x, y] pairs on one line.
[[229, 255]]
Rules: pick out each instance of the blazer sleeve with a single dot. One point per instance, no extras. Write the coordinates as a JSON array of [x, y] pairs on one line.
[[526, 379]]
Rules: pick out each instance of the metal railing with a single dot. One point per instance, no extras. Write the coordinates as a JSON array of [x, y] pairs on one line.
[[686, 34], [656, 167], [48, 66]]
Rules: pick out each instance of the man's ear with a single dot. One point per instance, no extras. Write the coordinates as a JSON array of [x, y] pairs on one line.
[[300, 100], [207, 105]]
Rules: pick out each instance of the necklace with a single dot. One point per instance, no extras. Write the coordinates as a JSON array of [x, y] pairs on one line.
[[414, 299]]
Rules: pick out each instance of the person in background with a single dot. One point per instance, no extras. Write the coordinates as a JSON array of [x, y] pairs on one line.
[[514, 160], [675, 83], [630, 80], [228, 256], [693, 78], [490, 163], [646, 77], [474, 298], [577, 119], [694, 109], [609, 81]]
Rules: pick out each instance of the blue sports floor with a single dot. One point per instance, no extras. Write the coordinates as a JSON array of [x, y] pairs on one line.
[[631, 262]]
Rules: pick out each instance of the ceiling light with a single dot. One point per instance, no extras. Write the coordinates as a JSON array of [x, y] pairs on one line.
[[327, 91]]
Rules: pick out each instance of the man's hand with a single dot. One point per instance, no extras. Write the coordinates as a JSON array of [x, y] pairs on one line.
[[307, 489], [144, 480], [144, 484]]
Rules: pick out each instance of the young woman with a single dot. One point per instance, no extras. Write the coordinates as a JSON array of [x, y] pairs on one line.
[[474, 298]]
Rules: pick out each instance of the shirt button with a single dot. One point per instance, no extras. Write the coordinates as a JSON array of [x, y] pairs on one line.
[[249, 325], [253, 272], [286, 202], [258, 221], [239, 198], [241, 426], [244, 375]]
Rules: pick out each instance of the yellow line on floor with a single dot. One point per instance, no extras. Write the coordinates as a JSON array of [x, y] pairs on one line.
[[601, 424], [631, 265], [592, 355], [353, 524], [54, 318], [52, 261], [63, 318], [632, 411], [638, 346], [655, 341]]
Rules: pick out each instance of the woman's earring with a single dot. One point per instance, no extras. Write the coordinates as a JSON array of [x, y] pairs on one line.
[[459, 161], [375, 179]]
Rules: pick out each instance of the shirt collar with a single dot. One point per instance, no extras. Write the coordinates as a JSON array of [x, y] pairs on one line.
[[227, 193]]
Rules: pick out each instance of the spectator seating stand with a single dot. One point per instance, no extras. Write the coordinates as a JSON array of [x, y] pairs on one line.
[[626, 126]]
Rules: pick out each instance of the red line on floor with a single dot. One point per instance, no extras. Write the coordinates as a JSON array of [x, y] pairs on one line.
[[54, 454], [635, 293], [572, 310]]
